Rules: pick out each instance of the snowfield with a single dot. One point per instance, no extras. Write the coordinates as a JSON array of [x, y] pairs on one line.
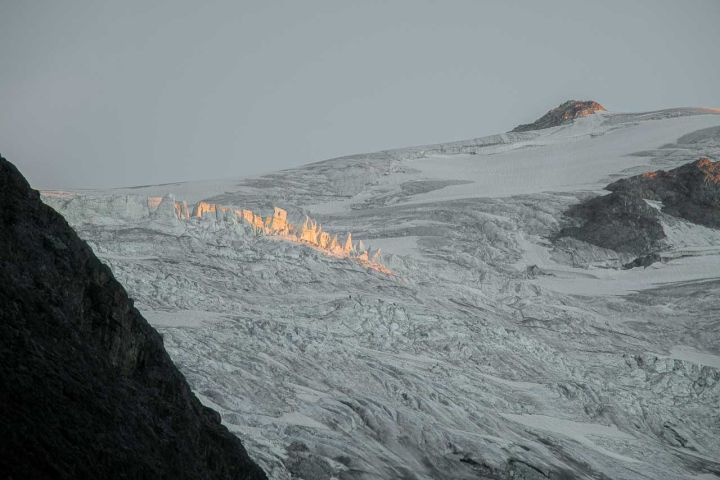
[[491, 352]]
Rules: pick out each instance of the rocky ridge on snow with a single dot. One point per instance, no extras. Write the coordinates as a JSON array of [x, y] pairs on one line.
[[562, 114], [629, 219]]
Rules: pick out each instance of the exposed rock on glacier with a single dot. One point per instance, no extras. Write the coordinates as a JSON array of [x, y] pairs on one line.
[[618, 221], [562, 114], [86, 387], [691, 191], [627, 221], [644, 261]]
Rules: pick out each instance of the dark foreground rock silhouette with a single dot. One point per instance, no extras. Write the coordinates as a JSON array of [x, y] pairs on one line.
[[87, 389]]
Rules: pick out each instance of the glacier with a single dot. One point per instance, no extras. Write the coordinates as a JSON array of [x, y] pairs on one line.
[[491, 351]]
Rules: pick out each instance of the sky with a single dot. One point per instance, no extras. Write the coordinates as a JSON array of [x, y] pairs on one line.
[[120, 93]]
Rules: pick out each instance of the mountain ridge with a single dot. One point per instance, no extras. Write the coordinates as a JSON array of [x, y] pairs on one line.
[[87, 389]]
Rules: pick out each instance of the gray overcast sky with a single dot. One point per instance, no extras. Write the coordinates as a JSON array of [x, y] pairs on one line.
[[96, 94]]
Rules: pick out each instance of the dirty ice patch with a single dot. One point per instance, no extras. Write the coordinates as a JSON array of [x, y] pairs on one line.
[[578, 431]]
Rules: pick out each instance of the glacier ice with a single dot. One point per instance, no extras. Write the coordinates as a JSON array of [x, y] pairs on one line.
[[491, 352]]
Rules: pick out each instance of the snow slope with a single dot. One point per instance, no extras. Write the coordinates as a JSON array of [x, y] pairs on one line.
[[490, 353]]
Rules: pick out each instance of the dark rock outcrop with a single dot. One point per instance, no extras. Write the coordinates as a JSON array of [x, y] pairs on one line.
[[87, 389], [618, 221], [562, 114], [691, 191], [623, 221], [644, 261]]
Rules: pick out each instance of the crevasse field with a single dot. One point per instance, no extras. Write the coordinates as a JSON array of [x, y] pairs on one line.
[[490, 352]]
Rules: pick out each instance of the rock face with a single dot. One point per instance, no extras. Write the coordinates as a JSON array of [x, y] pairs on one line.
[[644, 261], [618, 221], [625, 222], [564, 113], [691, 191], [87, 389]]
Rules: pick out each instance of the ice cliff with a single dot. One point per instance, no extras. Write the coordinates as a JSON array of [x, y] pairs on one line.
[[167, 209]]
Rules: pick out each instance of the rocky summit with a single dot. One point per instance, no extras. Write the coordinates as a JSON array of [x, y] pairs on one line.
[[87, 389], [562, 114]]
